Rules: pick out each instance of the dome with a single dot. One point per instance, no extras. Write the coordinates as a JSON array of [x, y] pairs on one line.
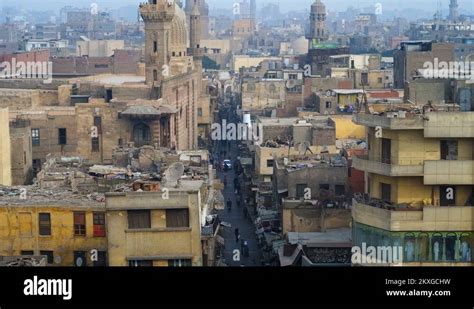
[[179, 37], [318, 6]]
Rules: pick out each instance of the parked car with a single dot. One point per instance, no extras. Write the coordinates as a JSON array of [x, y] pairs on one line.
[[227, 165]]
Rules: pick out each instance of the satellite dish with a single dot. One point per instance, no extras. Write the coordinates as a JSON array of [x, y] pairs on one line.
[[173, 173], [79, 261], [57, 259], [291, 83]]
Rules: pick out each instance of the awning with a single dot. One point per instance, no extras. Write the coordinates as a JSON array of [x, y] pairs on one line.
[[148, 111], [140, 110]]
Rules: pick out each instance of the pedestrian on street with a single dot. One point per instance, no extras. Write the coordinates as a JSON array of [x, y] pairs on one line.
[[237, 235]]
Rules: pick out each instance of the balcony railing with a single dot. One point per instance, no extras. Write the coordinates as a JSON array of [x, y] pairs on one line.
[[449, 172], [376, 167], [369, 120], [404, 218]]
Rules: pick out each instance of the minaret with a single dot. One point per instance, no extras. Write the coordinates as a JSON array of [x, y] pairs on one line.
[[195, 29], [317, 31], [158, 16], [453, 11]]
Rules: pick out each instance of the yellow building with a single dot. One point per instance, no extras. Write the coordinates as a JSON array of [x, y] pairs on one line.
[[153, 229], [5, 159], [66, 232], [347, 129], [420, 178]]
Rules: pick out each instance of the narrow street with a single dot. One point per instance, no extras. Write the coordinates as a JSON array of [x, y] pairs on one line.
[[236, 216]]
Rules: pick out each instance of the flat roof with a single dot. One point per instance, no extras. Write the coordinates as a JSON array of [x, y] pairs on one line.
[[114, 79], [331, 236]]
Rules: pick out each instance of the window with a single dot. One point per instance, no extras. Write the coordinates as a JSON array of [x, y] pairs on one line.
[[293, 76], [79, 223], [324, 187], [35, 137], [101, 259], [340, 190], [95, 144], [99, 224], [27, 252], [139, 219], [180, 263], [200, 112], [49, 255], [80, 259], [386, 191], [300, 188], [62, 136], [176, 218], [270, 163], [140, 263], [364, 78], [447, 195], [386, 151], [98, 122], [449, 150], [380, 80], [155, 46], [108, 98], [45, 224], [296, 89], [328, 104]]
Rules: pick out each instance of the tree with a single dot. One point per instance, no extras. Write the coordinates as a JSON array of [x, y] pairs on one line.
[[209, 64]]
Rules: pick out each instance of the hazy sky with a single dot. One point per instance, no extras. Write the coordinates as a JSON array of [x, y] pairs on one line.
[[334, 5]]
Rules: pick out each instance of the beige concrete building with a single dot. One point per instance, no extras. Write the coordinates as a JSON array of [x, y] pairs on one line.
[[146, 229], [98, 48], [420, 183], [283, 137], [244, 61], [5, 158]]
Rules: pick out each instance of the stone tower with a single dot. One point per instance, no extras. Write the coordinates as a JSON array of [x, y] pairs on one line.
[[453, 10], [203, 11], [317, 31], [195, 29], [158, 16]]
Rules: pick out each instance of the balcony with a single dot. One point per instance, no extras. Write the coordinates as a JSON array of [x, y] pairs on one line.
[[441, 124], [449, 173], [157, 12], [427, 218], [450, 125], [375, 167], [372, 121]]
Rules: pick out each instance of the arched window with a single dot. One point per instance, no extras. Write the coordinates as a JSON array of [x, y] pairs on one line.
[[465, 251], [409, 248], [141, 134], [423, 247], [437, 247], [451, 239]]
